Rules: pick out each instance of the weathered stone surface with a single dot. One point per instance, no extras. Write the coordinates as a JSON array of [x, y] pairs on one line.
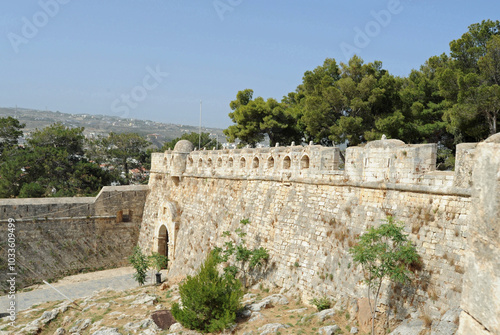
[[448, 324], [145, 299], [470, 326], [175, 328], [256, 316], [246, 313], [409, 327], [354, 330], [328, 330], [49, 316], [60, 331], [271, 328], [137, 325], [80, 325], [277, 299], [56, 232], [107, 331], [325, 314], [481, 292], [255, 307]]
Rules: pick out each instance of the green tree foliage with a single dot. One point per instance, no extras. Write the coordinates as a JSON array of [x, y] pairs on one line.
[[468, 49], [471, 84], [257, 118], [384, 253], [418, 112], [140, 263], [339, 103], [10, 132], [450, 99], [238, 257], [124, 151], [158, 261], [204, 140], [51, 164], [209, 300]]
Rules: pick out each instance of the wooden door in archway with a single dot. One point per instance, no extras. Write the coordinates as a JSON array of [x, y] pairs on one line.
[[163, 241]]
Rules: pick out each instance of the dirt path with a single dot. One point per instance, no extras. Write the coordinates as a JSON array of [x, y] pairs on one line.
[[74, 287]]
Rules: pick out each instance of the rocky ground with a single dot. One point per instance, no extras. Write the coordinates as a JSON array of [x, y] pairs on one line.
[[130, 312]]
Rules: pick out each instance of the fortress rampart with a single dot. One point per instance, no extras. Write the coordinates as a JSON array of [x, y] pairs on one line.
[[388, 164], [307, 208], [61, 236]]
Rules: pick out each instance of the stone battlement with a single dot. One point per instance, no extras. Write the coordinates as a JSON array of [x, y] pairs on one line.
[[386, 163]]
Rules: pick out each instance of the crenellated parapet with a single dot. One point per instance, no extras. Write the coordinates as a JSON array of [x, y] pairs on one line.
[[293, 161], [387, 162]]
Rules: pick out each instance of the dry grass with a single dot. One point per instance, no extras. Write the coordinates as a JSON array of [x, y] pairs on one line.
[[427, 321], [433, 294]]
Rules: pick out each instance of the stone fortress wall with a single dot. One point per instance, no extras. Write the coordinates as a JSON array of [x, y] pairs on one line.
[[61, 236], [307, 210]]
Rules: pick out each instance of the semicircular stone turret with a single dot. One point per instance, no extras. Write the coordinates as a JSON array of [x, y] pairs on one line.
[[183, 146], [181, 151], [391, 143]]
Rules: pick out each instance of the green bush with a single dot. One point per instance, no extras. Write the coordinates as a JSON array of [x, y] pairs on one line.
[[321, 303], [241, 260], [209, 300], [140, 263]]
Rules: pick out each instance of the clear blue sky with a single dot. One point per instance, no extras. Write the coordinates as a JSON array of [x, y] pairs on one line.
[[98, 56]]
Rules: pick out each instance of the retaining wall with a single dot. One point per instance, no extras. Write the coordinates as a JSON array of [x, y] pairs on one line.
[[55, 237]]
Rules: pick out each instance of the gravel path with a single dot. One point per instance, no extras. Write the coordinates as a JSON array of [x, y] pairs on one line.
[[74, 287]]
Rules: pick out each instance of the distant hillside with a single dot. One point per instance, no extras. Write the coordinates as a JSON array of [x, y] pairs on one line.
[[103, 124]]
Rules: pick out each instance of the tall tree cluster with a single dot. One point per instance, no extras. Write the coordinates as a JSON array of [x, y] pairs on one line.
[[59, 161], [450, 99]]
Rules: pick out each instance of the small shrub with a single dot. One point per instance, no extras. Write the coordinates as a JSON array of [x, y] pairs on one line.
[[321, 303], [140, 263], [210, 300]]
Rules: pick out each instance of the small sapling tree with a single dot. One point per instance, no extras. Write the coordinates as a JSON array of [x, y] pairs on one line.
[[140, 263], [209, 300], [158, 261], [240, 258], [384, 253]]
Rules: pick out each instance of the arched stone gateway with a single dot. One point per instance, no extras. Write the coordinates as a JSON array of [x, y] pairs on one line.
[[165, 228]]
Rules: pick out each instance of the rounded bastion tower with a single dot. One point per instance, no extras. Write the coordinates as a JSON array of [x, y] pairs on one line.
[[179, 157]]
